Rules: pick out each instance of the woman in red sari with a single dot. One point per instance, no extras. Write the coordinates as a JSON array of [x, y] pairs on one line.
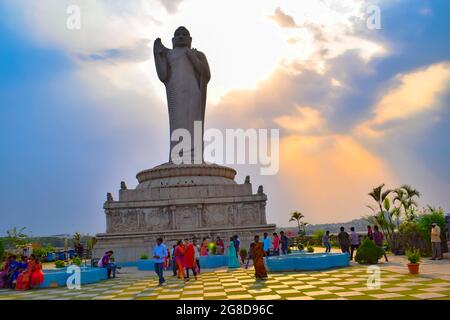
[[179, 259], [189, 259], [24, 278], [38, 276], [258, 259]]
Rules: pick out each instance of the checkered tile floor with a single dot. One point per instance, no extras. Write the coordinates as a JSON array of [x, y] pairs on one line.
[[343, 284]]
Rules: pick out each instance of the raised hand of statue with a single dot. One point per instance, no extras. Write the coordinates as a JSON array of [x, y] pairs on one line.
[[192, 53], [158, 47]]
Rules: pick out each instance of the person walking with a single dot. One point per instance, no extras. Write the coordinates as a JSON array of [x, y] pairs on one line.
[[266, 243], [354, 242], [159, 254], [369, 233], [436, 241], [179, 259], [378, 239], [233, 261], [258, 254], [220, 246], [344, 240], [197, 255], [326, 241], [276, 244], [189, 259], [174, 262], [284, 243], [237, 244]]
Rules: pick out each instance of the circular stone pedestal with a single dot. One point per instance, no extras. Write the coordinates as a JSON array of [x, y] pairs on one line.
[[168, 174]]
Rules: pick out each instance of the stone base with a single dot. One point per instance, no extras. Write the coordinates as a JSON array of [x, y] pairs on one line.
[[178, 202], [131, 246]]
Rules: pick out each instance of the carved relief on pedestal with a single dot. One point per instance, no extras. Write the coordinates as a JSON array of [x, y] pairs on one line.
[[156, 219], [249, 214], [123, 221], [215, 215], [186, 217]]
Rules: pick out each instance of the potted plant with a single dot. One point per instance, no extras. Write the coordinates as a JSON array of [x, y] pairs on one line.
[[413, 256], [310, 249], [144, 257]]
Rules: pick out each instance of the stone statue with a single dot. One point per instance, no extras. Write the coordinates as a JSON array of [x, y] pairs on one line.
[[247, 179], [185, 73], [260, 189], [109, 197], [123, 185]]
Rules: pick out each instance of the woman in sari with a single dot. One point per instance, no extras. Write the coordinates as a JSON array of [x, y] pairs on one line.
[[233, 261], [4, 273], [38, 276], [24, 278], [204, 248], [15, 268], [258, 259], [179, 259]]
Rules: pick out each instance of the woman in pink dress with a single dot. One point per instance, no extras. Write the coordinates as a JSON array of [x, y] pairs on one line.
[[204, 248]]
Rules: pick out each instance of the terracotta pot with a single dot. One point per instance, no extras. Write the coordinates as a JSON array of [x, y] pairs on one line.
[[413, 268]]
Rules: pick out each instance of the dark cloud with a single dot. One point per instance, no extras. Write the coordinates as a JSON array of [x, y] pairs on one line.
[[171, 5], [136, 53]]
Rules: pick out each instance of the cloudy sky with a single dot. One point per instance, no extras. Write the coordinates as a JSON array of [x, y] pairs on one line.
[[81, 110]]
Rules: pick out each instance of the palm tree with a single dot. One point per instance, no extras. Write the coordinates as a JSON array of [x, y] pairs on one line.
[[297, 217], [410, 204], [384, 216]]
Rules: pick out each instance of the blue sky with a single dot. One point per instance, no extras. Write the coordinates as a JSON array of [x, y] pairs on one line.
[[78, 115]]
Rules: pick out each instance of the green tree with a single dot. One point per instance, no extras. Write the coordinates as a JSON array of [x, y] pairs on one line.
[[385, 215], [16, 237], [297, 217], [405, 197], [2, 251]]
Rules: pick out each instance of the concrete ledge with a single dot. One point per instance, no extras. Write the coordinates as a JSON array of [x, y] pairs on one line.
[[58, 277], [307, 261]]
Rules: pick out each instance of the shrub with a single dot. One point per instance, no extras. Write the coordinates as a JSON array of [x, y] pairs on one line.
[[425, 220], [368, 253], [310, 249], [59, 264], [144, 257], [411, 236], [317, 236], [300, 246], [77, 261], [40, 252], [413, 255]]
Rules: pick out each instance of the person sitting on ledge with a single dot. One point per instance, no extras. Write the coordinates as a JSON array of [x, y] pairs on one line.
[[106, 262], [204, 248], [4, 273], [24, 278], [220, 246]]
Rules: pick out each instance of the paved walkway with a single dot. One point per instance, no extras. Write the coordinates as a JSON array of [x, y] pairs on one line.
[[344, 284]]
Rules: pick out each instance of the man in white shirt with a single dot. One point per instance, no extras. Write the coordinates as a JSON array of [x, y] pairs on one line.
[[159, 253], [436, 241]]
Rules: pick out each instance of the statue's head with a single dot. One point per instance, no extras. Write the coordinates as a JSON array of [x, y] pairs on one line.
[[182, 38]]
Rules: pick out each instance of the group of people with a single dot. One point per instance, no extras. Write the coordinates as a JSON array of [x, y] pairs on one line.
[[276, 245], [349, 243], [23, 274]]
